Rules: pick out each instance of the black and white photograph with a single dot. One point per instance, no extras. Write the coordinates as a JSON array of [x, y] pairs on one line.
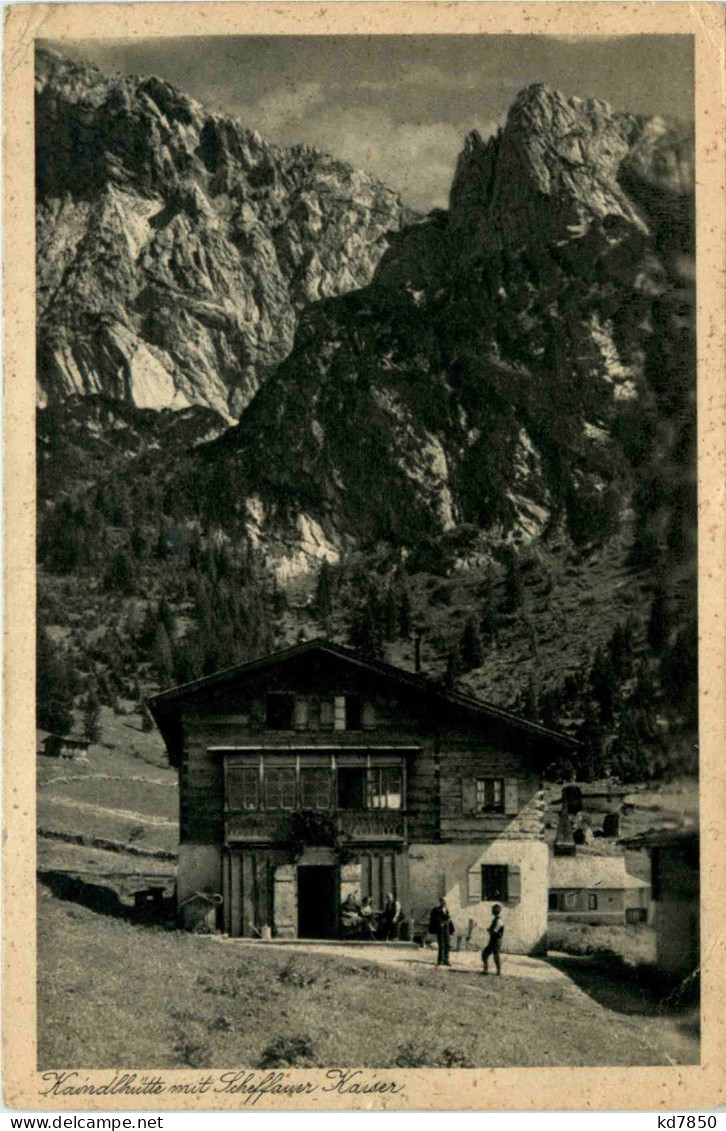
[[367, 634]]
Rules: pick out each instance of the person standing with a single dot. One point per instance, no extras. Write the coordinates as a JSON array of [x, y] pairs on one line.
[[494, 946], [391, 917], [440, 924]]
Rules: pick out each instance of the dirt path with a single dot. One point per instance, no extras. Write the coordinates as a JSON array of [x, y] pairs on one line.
[[101, 811], [415, 959]]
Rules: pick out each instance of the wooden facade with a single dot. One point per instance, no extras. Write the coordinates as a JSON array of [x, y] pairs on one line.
[[317, 758]]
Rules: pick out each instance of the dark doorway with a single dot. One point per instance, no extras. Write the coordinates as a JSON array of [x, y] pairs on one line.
[[317, 902]]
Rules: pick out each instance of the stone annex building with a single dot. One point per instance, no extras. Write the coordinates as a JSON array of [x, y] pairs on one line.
[[313, 773]]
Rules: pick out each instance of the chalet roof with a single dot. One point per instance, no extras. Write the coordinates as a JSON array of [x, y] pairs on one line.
[[164, 706], [591, 872]]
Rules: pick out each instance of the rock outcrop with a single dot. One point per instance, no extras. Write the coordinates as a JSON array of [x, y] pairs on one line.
[[496, 369], [176, 248]]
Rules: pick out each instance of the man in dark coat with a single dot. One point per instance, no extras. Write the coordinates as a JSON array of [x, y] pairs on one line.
[[440, 924], [392, 915], [494, 946]]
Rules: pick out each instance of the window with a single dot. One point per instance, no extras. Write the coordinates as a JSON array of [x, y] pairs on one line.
[[490, 795], [385, 787], [494, 881], [553, 902], [280, 787], [353, 713], [351, 787], [243, 787], [592, 902], [280, 709], [315, 782]]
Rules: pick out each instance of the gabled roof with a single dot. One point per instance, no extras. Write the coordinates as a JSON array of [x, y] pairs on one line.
[[592, 872], [164, 706]]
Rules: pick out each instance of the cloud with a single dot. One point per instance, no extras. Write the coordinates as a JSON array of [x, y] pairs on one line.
[[277, 111], [414, 158]]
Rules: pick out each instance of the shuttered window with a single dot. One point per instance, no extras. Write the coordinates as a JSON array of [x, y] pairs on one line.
[[326, 714], [280, 787], [489, 796], [368, 718], [315, 787], [494, 884], [300, 716], [592, 902]]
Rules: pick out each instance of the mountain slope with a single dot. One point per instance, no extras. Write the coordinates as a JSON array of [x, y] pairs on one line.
[[490, 445], [505, 366], [175, 248]]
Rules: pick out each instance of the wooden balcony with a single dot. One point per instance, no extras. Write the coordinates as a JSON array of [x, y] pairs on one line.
[[355, 826]]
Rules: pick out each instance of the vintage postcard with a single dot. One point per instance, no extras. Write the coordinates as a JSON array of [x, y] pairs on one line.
[[364, 538]]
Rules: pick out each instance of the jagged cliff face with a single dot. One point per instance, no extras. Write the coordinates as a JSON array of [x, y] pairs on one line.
[[175, 248], [504, 352]]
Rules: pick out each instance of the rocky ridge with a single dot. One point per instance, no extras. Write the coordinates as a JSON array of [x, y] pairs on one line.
[[496, 368], [175, 248]]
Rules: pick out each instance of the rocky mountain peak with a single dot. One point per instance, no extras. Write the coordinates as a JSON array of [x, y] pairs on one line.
[[176, 247], [549, 174]]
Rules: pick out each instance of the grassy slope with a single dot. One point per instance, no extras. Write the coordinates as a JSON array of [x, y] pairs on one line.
[[169, 999]]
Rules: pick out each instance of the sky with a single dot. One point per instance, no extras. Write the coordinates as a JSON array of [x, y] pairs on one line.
[[401, 106]]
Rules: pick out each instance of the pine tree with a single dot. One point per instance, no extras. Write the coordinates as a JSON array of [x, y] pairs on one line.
[[629, 761], [389, 614], [163, 657], [470, 649], [604, 685], [92, 717], [489, 623], [54, 686], [453, 668], [137, 542], [365, 628], [530, 701], [324, 591], [593, 746], [120, 575], [166, 617], [659, 621], [404, 613], [513, 585], [161, 546]]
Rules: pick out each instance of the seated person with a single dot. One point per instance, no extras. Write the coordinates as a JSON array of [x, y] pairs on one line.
[[350, 914], [368, 919]]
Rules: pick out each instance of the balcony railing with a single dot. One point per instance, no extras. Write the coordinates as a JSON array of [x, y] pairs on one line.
[[353, 825]]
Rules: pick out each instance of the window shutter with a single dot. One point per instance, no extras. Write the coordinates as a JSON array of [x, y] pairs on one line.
[[514, 883], [468, 795], [511, 796], [339, 716], [475, 888], [369, 716], [300, 718], [326, 714]]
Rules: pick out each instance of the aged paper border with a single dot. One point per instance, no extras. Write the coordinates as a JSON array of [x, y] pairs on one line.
[[638, 1088]]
